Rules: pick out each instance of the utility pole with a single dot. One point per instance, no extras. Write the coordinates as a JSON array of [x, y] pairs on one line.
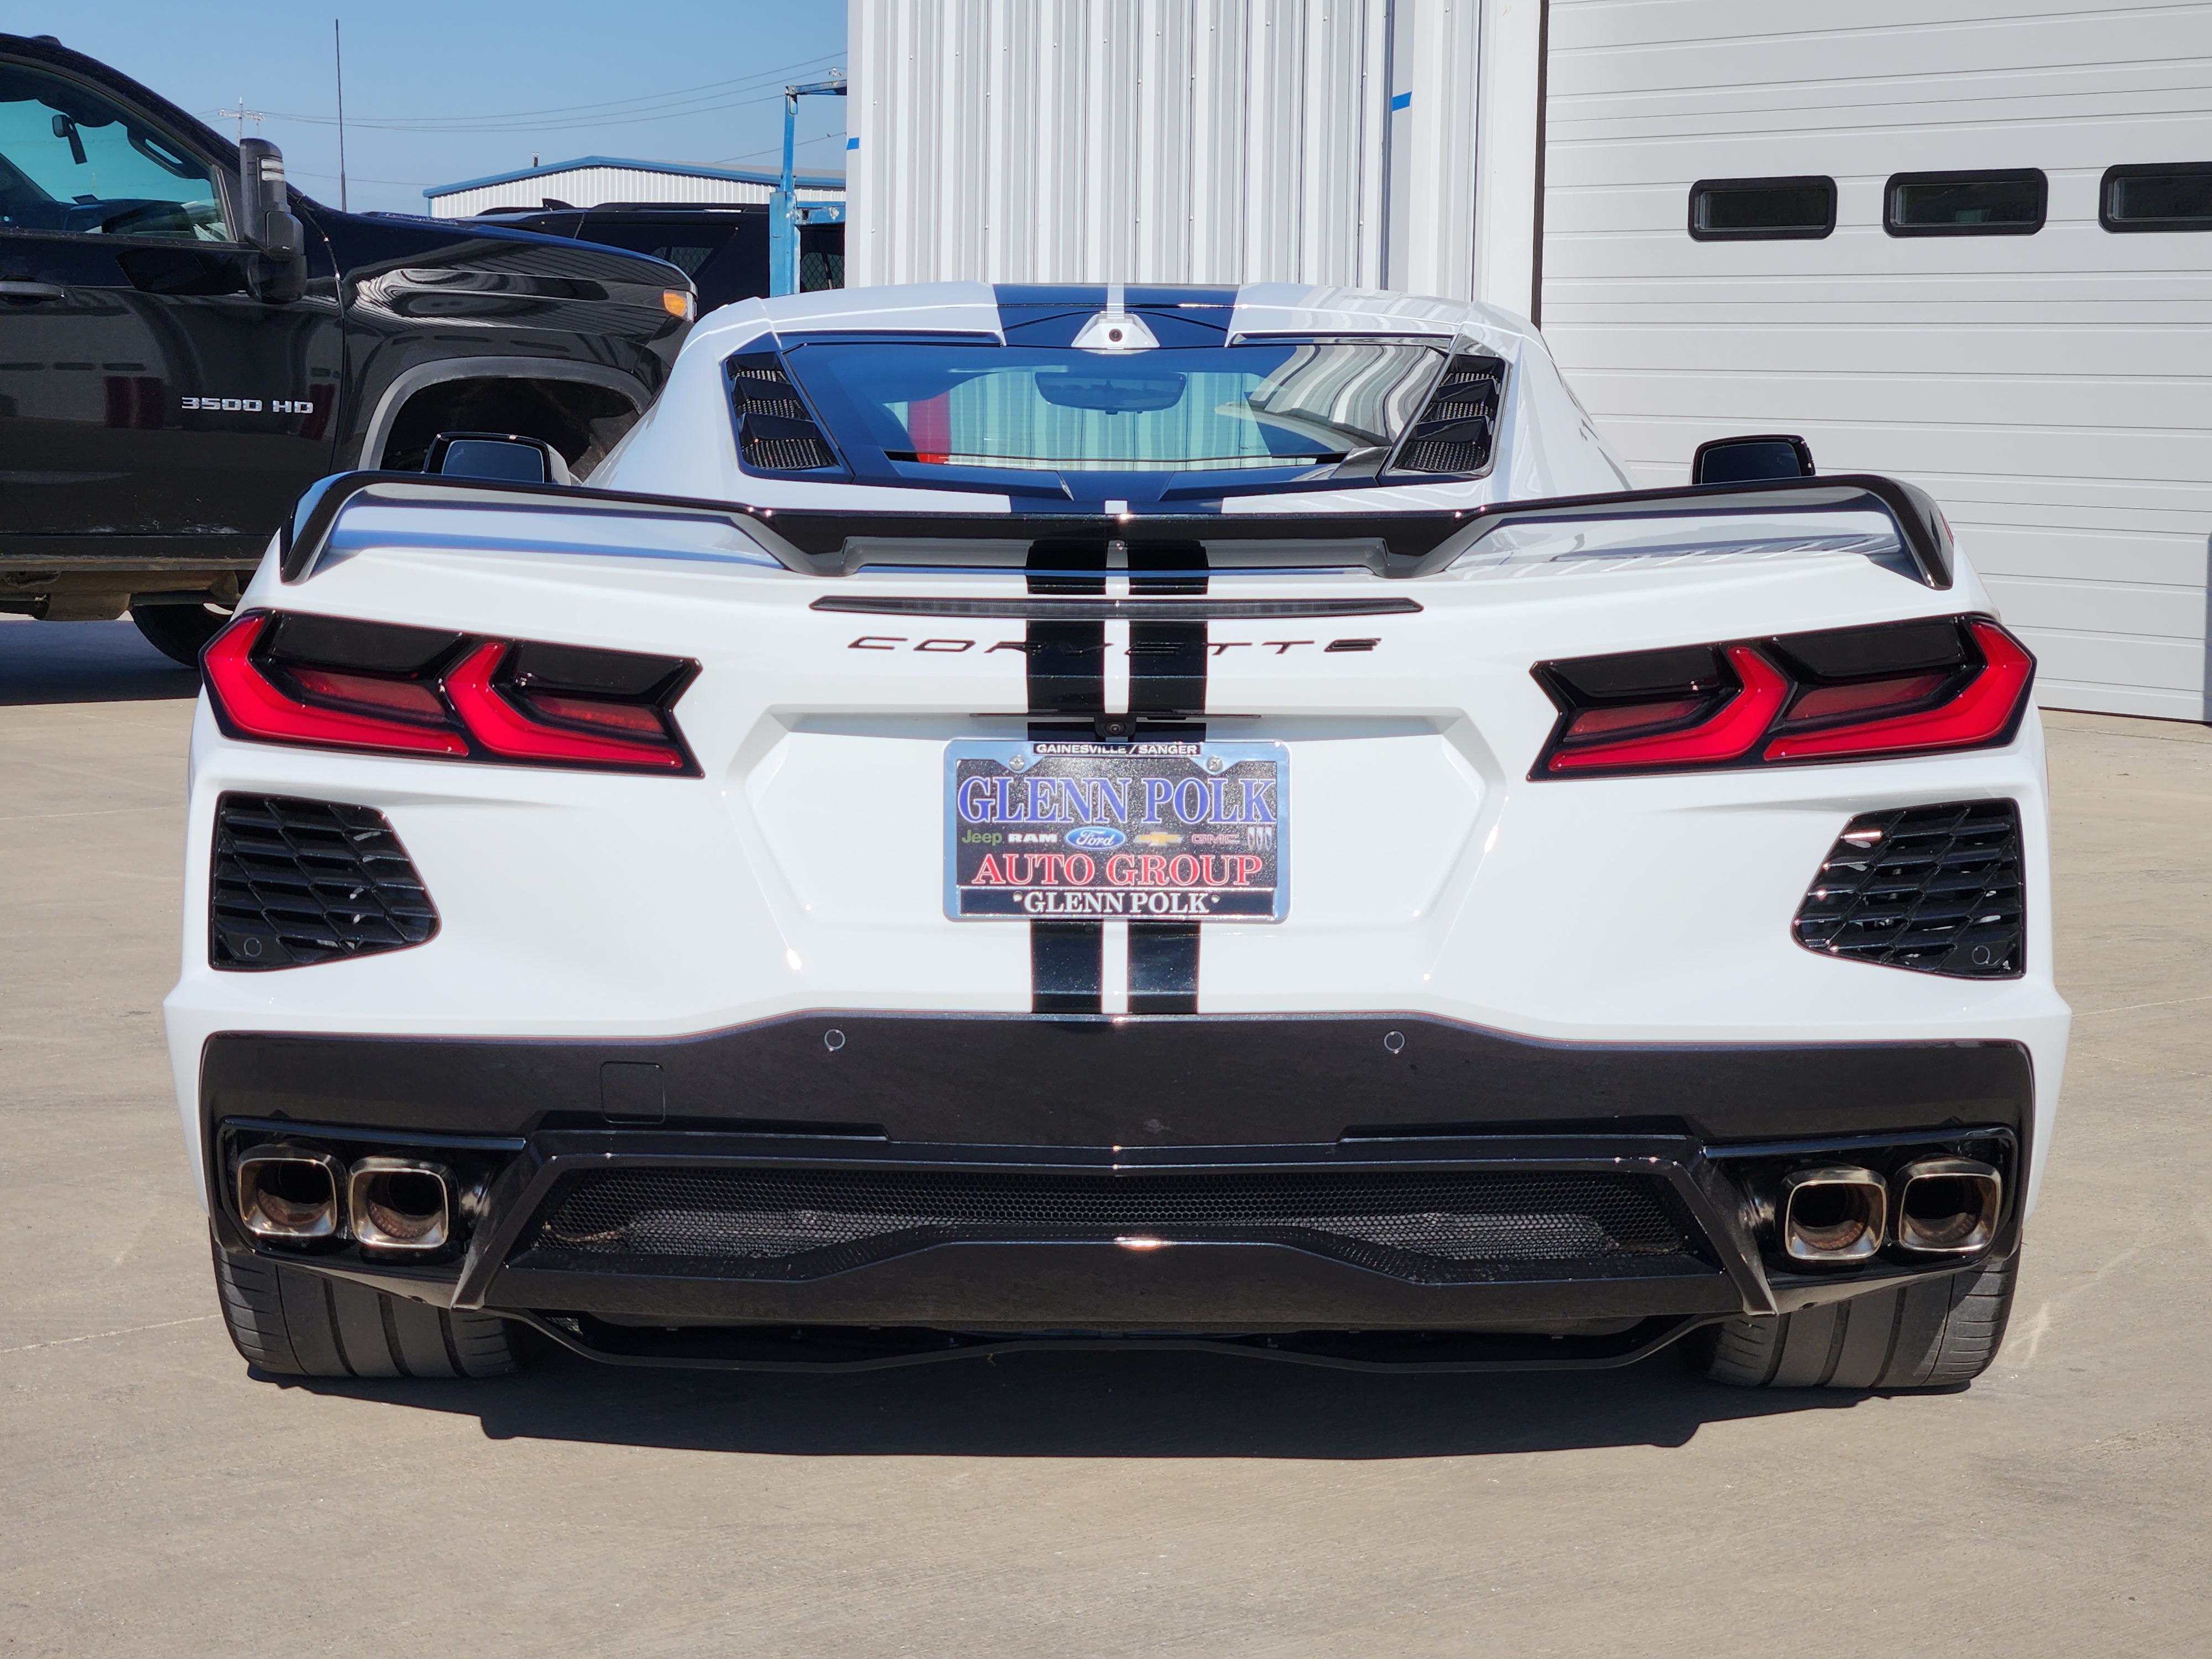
[[337, 45], [241, 115], [785, 216]]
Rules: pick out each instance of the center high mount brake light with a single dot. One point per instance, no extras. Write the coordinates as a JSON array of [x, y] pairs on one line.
[[1847, 694], [376, 688]]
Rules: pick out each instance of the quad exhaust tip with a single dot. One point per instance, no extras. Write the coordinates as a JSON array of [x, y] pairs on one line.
[[288, 1194], [401, 1206], [1833, 1216], [1948, 1205]]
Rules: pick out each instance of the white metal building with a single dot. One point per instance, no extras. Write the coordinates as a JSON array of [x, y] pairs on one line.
[[2052, 389], [591, 181], [1195, 141]]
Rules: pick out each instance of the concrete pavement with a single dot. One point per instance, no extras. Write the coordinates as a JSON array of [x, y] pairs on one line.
[[154, 1499]]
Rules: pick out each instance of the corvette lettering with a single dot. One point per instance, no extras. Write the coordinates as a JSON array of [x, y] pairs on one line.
[[1145, 648]]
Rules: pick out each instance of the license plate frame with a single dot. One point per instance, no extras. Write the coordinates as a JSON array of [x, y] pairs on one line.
[[1242, 796]]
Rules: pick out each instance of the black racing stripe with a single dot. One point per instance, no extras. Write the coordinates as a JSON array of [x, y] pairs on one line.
[[1046, 314], [1067, 684], [1167, 661], [1164, 967], [1167, 682], [1068, 967], [1067, 660]]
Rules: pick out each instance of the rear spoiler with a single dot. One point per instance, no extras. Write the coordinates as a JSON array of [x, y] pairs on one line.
[[816, 542]]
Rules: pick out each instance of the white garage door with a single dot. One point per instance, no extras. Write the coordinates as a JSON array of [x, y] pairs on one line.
[[2052, 390]]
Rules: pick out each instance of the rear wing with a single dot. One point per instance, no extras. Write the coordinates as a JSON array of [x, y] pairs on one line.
[[1891, 522]]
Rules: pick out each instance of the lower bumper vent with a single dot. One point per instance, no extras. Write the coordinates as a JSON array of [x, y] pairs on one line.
[[1446, 1227], [1932, 888], [304, 881]]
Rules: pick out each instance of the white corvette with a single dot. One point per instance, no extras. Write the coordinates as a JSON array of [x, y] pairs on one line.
[[1126, 817]]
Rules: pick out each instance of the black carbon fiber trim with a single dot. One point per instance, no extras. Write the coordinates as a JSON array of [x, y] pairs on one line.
[[1444, 1226]]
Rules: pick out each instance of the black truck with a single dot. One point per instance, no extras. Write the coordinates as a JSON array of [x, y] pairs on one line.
[[186, 343]]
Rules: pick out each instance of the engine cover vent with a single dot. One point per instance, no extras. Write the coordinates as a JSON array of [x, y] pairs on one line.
[[777, 433], [1936, 889], [298, 882], [1456, 432]]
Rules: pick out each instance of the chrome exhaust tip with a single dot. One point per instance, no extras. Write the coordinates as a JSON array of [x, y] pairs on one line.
[[288, 1194], [1948, 1205], [401, 1206], [1833, 1215]]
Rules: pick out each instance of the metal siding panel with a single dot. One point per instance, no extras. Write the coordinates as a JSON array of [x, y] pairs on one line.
[[1219, 142], [1447, 58], [1211, 141]]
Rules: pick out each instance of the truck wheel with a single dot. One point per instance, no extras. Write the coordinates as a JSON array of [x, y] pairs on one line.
[[293, 1323], [177, 631], [1937, 1334]]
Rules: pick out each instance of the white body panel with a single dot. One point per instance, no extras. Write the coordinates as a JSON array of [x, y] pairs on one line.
[[2049, 389]]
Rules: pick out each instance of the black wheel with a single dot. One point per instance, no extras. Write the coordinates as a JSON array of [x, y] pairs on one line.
[[177, 631], [1936, 1333], [291, 1322]]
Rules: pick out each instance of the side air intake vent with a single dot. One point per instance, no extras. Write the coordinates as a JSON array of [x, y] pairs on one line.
[[1448, 1227], [303, 881], [1455, 431], [775, 433], [1932, 888]]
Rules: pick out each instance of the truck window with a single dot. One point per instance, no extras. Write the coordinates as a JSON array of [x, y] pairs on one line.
[[73, 162]]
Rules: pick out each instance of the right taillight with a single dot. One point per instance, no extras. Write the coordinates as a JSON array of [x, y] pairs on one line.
[[1843, 694], [325, 682]]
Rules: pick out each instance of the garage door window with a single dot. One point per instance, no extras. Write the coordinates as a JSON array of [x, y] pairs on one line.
[[73, 162], [2177, 197], [1992, 204], [1762, 209]]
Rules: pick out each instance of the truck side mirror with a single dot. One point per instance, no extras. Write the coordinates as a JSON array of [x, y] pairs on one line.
[[507, 456], [269, 222], [1750, 461]]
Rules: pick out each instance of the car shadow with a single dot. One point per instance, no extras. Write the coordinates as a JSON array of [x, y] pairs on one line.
[[54, 662], [1094, 1405]]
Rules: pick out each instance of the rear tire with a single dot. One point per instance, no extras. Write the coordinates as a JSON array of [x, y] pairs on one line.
[[177, 631], [290, 1322], [1936, 1333]]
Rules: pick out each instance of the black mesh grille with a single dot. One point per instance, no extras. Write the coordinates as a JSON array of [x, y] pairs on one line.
[[1445, 1227], [1932, 888], [1455, 431], [303, 881], [775, 433]]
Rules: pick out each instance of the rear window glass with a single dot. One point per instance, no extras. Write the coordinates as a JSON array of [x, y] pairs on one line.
[[1965, 203], [1056, 409], [1762, 209], [2172, 197]]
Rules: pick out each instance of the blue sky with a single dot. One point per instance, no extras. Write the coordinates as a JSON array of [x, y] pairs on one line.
[[438, 93]]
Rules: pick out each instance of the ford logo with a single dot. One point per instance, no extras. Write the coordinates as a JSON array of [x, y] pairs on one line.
[[1095, 838]]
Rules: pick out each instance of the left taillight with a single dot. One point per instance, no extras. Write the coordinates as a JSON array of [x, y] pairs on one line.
[[1843, 694], [328, 683]]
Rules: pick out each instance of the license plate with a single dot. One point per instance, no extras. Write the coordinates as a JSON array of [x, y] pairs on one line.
[[1164, 830]]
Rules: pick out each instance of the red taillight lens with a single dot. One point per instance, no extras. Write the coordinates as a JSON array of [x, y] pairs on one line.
[[1954, 683], [341, 685], [1982, 711], [505, 729], [404, 699], [252, 707], [1728, 734]]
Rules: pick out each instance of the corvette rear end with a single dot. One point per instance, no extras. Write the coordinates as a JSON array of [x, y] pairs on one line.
[[844, 931]]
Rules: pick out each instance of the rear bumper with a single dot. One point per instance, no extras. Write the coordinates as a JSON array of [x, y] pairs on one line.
[[1073, 1163]]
